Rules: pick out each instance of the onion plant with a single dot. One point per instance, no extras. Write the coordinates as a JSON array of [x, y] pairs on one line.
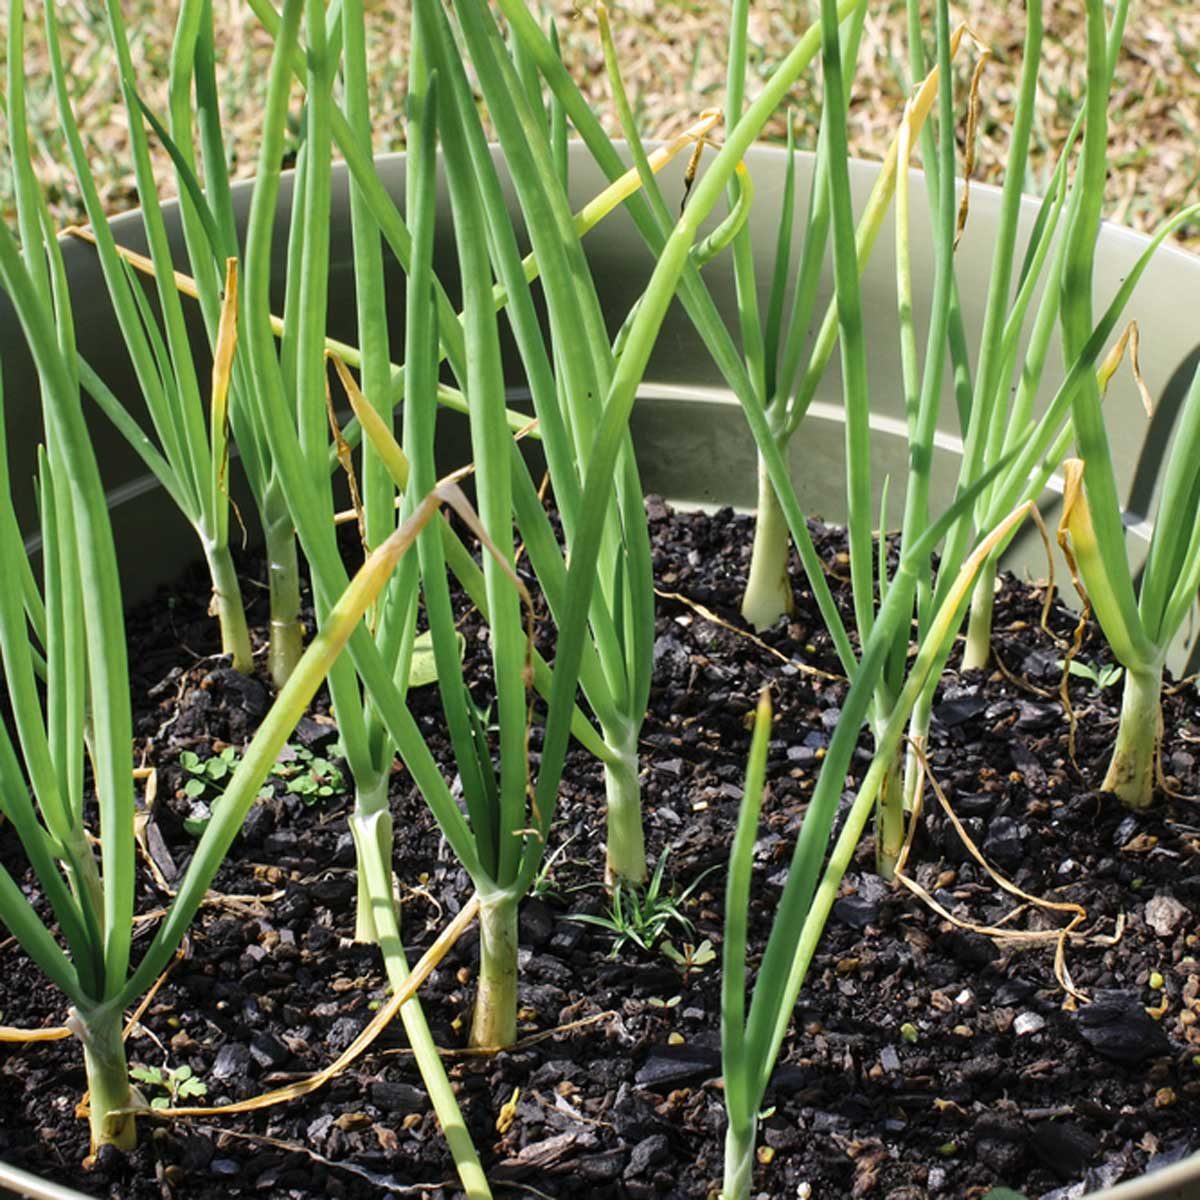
[[1139, 622], [491, 839], [501, 838], [210, 234], [289, 391], [616, 671], [507, 838], [67, 680], [791, 391], [674, 263], [997, 492], [608, 436], [1036, 439], [996, 418], [95, 977], [656, 221], [565, 377], [1007, 411], [1000, 419], [772, 346], [192, 454], [752, 1035], [653, 219]]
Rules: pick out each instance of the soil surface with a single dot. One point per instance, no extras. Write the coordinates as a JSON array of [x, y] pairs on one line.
[[925, 1058]]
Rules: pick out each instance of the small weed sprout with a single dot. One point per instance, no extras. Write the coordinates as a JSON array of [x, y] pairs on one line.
[[643, 916], [179, 1083], [308, 775], [1100, 675], [690, 959], [543, 885]]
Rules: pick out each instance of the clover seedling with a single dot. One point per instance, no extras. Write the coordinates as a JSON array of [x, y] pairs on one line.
[[205, 785], [178, 1082], [309, 775], [205, 772]]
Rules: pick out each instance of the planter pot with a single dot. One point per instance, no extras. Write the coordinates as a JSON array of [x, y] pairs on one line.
[[692, 442]]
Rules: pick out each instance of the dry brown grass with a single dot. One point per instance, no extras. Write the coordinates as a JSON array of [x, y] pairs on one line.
[[673, 53]]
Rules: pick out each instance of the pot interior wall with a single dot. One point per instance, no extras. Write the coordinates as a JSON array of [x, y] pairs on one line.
[[692, 444]]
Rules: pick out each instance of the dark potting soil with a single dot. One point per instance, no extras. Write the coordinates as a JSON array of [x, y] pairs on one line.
[[925, 1058]]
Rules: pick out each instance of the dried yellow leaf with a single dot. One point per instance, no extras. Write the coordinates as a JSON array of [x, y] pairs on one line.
[[508, 1113]]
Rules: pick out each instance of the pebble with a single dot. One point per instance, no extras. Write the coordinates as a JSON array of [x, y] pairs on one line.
[[314, 735], [1164, 913], [1027, 1023], [343, 853], [672, 663], [335, 893], [1034, 717], [1116, 1026], [1005, 1156], [1064, 1147], [646, 1154], [536, 922], [951, 713], [397, 1097], [671, 1066], [1125, 831], [268, 1051], [280, 843], [976, 806], [1013, 991], [233, 1059], [1071, 1192], [971, 949], [856, 911], [827, 1122], [341, 1033], [1004, 844], [601, 1168], [567, 936], [317, 1130]]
